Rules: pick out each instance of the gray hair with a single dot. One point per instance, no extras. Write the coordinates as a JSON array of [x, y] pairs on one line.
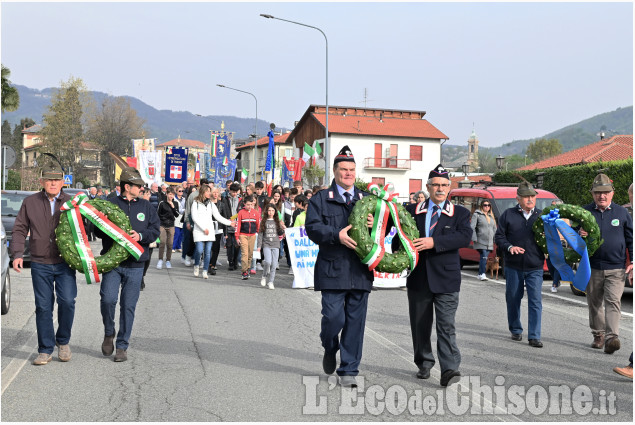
[[426, 195]]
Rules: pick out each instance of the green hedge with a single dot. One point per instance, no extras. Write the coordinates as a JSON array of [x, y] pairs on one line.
[[572, 184]]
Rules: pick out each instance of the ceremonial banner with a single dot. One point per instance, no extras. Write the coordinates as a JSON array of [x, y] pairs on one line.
[[197, 170], [389, 280], [224, 172], [139, 145], [175, 165], [288, 171], [221, 144], [297, 175], [269, 164], [303, 253], [150, 167]]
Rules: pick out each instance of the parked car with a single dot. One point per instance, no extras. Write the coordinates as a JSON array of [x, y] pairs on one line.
[[11, 201], [73, 191], [501, 198], [6, 278]]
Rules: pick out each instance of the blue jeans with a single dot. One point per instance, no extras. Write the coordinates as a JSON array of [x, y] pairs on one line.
[[178, 238], [516, 280], [200, 246], [130, 281], [50, 280], [482, 260]]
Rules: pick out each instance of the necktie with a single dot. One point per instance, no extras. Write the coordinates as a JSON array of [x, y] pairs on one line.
[[348, 198], [434, 219]]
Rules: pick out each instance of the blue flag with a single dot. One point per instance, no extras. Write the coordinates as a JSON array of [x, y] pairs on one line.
[[175, 165]]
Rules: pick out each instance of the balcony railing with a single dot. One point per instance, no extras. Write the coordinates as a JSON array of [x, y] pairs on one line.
[[387, 163]]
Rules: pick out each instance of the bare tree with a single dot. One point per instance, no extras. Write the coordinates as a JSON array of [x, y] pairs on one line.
[[113, 125]]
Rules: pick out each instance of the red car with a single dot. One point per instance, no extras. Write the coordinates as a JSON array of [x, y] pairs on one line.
[[501, 198]]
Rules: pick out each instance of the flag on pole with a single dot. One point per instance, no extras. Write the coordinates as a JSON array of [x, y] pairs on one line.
[[197, 171], [243, 175], [308, 153], [318, 151], [214, 144]]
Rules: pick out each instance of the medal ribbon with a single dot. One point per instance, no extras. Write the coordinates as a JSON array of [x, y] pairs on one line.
[[386, 207], [78, 207]]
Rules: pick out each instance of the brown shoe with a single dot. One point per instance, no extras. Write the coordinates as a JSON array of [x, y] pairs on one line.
[[121, 355], [42, 359], [612, 345], [624, 371], [108, 346], [598, 341], [64, 353]]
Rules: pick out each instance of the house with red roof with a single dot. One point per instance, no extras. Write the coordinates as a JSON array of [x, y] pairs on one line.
[[389, 145], [612, 149], [283, 148]]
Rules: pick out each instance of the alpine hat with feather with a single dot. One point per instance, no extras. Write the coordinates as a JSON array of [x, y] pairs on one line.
[[129, 174], [52, 168]]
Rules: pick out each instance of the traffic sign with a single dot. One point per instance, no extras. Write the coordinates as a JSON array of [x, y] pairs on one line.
[[68, 179]]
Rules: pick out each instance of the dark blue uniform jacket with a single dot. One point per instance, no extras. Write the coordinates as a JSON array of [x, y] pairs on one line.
[[616, 228], [337, 267], [144, 220], [441, 265], [514, 230]]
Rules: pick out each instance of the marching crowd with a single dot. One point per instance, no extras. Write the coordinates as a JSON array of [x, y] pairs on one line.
[[196, 220]]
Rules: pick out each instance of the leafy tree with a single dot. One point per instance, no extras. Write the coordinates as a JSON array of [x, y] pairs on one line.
[[10, 95], [112, 126], [313, 175], [542, 149], [63, 129], [516, 161], [486, 162]]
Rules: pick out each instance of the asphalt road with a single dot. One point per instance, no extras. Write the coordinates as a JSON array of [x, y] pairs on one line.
[[224, 349]]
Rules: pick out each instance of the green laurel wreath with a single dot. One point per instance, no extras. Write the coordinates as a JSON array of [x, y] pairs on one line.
[[579, 217], [105, 263], [392, 262]]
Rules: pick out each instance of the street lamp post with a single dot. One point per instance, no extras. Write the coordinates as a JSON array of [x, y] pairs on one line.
[[327, 149], [500, 160], [255, 125]]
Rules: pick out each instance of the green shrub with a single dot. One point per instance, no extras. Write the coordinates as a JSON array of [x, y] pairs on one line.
[[572, 184]]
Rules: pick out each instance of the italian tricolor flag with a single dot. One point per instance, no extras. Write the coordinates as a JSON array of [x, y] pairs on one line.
[[311, 154], [243, 176]]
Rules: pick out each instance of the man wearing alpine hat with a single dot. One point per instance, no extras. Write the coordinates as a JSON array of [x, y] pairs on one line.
[[434, 284], [50, 275], [343, 279], [608, 265], [128, 275], [524, 261]]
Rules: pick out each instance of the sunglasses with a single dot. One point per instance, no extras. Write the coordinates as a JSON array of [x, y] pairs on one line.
[[487, 205]]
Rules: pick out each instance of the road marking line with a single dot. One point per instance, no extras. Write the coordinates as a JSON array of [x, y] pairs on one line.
[[388, 344], [548, 294], [16, 365]]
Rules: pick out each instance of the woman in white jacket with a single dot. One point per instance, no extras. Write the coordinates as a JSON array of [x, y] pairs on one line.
[[203, 231]]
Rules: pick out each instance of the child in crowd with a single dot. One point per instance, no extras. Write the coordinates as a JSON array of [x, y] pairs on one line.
[[299, 215], [269, 235], [247, 225]]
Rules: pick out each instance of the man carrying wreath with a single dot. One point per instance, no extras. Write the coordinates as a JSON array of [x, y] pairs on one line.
[[343, 279], [145, 230], [51, 276], [434, 284]]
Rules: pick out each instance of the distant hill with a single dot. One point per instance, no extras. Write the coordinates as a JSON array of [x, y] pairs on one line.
[[571, 137], [161, 124]]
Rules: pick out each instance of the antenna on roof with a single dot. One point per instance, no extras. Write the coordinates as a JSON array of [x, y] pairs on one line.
[[366, 97]]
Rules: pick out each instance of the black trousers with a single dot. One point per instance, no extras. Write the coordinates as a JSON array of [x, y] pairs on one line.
[[233, 248], [423, 307], [215, 251]]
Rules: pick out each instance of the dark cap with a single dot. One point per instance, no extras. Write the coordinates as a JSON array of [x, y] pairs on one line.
[[53, 171], [602, 183], [344, 155], [439, 171], [526, 189], [131, 176]]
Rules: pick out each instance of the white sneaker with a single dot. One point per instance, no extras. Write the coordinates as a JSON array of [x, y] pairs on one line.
[[188, 261], [554, 289], [196, 271], [263, 281], [204, 274], [291, 271], [270, 284], [168, 265], [259, 267], [182, 260], [160, 264], [219, 263]]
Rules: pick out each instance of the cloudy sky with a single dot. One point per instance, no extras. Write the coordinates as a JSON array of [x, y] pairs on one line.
[[513, 70]]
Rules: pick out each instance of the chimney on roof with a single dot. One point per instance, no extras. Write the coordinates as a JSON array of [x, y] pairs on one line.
[[357, 125], [602, 135], [295, 123], [381, 117]]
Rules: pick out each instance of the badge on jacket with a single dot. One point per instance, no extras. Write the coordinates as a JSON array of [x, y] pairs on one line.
[[141, 216]]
